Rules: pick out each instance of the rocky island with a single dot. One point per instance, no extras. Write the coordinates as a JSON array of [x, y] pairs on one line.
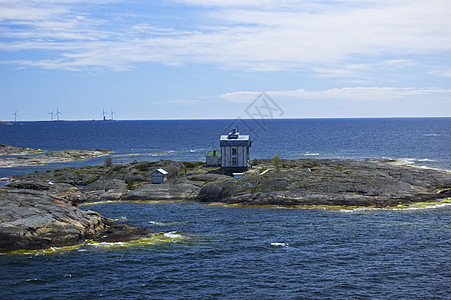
[[40, 210], [19, 156]]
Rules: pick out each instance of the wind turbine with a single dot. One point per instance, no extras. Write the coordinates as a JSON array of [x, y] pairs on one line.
[[103, 114], [15, 116], [58, 113], [51, 115], [112, 114]]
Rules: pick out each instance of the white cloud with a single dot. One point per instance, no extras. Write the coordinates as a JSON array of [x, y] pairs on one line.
[[445, 72], [347, 93], [247, 35]]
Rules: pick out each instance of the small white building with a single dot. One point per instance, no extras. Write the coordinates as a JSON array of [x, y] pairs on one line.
[[213, 159], [235, 150], [159, 176]]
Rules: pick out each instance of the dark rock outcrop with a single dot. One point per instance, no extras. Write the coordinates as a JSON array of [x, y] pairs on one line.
[[371, 182], [176, 191], [34, 220]]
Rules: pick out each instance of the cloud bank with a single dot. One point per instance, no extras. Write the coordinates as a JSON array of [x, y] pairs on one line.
[[243, 35], [348, 93]]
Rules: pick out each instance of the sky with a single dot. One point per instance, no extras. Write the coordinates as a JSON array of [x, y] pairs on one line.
[[212, 59]]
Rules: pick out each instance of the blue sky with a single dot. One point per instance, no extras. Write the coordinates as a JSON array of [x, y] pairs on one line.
[[197, 59]]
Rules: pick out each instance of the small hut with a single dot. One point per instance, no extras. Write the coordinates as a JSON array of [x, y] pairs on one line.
[[213, 159], [159, 176]]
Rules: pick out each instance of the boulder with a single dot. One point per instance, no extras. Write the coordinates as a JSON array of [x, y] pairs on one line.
[[211, 192]]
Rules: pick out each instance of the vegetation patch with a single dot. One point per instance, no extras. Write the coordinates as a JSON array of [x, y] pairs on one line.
[[156, 238], [51, 250]]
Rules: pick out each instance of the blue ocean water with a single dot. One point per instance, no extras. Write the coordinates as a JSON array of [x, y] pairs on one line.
[[248, 253], [424, 141]]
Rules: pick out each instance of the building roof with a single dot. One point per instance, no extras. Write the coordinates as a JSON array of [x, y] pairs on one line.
[[218, 153], [235, 139], [161, 171]]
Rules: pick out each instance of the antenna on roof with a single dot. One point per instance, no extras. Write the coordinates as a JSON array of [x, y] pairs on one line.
[[112, 114], [51, 115], [58, 113], [15, 116]]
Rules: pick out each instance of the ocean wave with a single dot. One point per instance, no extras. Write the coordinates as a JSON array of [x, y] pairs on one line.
[[416, 206], [164, 223], [173, 235], [162, 153], [277, 244], [311, 154], [108, 245], [411, 161], [126, 155], [171, 152]]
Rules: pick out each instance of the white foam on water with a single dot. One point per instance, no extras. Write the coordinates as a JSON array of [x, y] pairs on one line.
[[311, 154], [279, 244], [364, 209], [157, 223], [439, 205], [173, 235], [106, 245], [164, 223]]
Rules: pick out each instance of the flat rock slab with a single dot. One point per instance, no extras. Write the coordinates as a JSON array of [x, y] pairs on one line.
[[177, 191], [51, 157], [13, 150]]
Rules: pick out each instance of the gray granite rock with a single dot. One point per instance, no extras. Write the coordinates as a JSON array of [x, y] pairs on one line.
[[176, 191]]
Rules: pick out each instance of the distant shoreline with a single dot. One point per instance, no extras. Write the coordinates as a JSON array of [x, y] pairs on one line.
[[225, 119], [25, 157]]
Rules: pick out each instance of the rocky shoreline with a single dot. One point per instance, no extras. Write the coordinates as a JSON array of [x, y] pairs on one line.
[[13, 150], [40, 210], [19, 157]]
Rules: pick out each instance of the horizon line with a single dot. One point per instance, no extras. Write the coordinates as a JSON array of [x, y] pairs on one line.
[[218, 119]]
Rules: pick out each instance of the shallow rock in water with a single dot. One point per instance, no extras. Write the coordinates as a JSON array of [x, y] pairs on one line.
[[122, 233]]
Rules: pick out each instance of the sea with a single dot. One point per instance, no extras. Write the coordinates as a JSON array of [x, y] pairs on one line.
[[246, 253]]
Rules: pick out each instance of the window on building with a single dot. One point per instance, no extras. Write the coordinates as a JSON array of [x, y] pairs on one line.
[[234, 163], [233, 151]]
